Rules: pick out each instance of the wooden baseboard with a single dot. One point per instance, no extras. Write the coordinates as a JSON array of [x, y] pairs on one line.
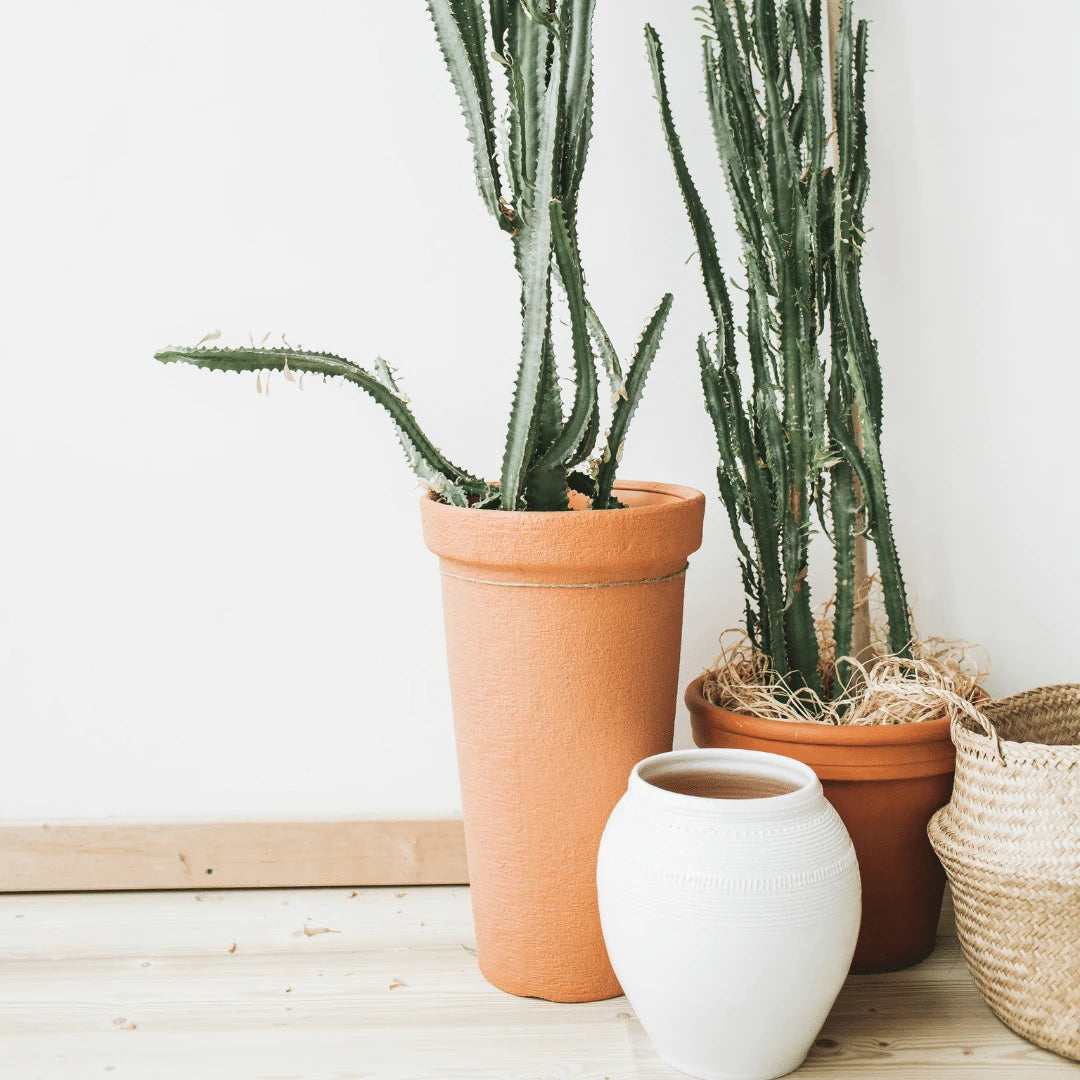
[[231, 855]]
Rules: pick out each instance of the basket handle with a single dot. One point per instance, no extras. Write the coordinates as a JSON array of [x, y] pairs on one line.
[[961, 706]]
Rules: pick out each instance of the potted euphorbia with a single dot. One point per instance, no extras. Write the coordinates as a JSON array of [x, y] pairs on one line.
[[562, 589], [858, 698]]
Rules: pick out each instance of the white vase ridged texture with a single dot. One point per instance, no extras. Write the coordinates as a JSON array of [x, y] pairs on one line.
[[730, 923]]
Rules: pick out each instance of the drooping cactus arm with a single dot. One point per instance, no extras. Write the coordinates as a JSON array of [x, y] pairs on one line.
[[436, 481], [462, 35], [627, 402], [281, 359]]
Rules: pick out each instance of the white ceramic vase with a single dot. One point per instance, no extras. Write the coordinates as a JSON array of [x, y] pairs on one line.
[[730, 903]]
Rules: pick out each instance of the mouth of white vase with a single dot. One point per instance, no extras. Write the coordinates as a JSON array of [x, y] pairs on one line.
[[738, 775], [708, 784]]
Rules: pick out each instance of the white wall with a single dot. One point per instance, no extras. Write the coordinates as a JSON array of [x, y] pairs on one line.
[[215, 603]]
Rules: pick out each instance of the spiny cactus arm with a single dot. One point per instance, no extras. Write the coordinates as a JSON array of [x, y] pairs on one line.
[[462, 36], [854, 183], [771, 479], [711, 271], [588, 441], [436, 481], [592, 429], [728, 114], [842, 509], [544, 487], [289, 360], [840, 425], [844, 91], [579, 152], [549, 402], [811, 105], [730, 84], [529, 47], [737, 59], [501, 13], [534, 263], [540, 12], [753, 500], [746, 38], [732, 483], [880, 522], [811, 149], [858, 367], [860, 169], [576, 19], [762, 364], [569, 439], [604, 347], [625, 406], [795, 289], [518, 150], [582, 484]]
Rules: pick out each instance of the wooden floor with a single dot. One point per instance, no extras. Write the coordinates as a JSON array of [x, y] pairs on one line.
[[330, 984]]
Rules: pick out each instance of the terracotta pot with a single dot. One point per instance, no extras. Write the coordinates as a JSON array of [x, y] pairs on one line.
[[563, 634], [885, 782]]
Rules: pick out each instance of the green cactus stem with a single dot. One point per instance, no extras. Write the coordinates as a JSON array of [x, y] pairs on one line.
[[790, 445], [528, 166]]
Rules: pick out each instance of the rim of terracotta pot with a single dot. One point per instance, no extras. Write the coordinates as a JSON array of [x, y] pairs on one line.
[[648, 540], [837, 752]]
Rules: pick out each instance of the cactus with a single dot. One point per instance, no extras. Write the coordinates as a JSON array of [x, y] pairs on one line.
[[528, 165], [806, 438]]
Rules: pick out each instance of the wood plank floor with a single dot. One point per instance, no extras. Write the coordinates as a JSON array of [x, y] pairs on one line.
[[336, 984]]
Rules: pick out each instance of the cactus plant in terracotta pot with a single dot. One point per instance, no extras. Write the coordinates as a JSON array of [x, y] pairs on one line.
[[800, 451], [557, 581]]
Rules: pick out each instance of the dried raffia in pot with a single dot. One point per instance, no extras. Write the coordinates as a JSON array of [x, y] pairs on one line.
[[884, 688]]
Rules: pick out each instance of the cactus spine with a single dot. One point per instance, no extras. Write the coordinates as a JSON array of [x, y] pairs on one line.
[[790, 447], [528, 167]]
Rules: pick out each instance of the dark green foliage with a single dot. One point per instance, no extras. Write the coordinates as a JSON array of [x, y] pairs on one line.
[[528, 171], [790, 446]]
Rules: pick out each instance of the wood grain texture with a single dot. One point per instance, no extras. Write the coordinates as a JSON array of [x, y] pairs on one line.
[[134, 986], [110, 855]]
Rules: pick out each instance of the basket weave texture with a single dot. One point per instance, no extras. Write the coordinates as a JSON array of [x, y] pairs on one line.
[[1010, 843]]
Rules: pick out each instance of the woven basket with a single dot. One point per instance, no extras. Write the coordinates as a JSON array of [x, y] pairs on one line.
[[1010, 844]]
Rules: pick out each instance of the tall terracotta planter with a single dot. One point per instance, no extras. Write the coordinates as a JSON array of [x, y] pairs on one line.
[[885, 782], [563, 634]]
